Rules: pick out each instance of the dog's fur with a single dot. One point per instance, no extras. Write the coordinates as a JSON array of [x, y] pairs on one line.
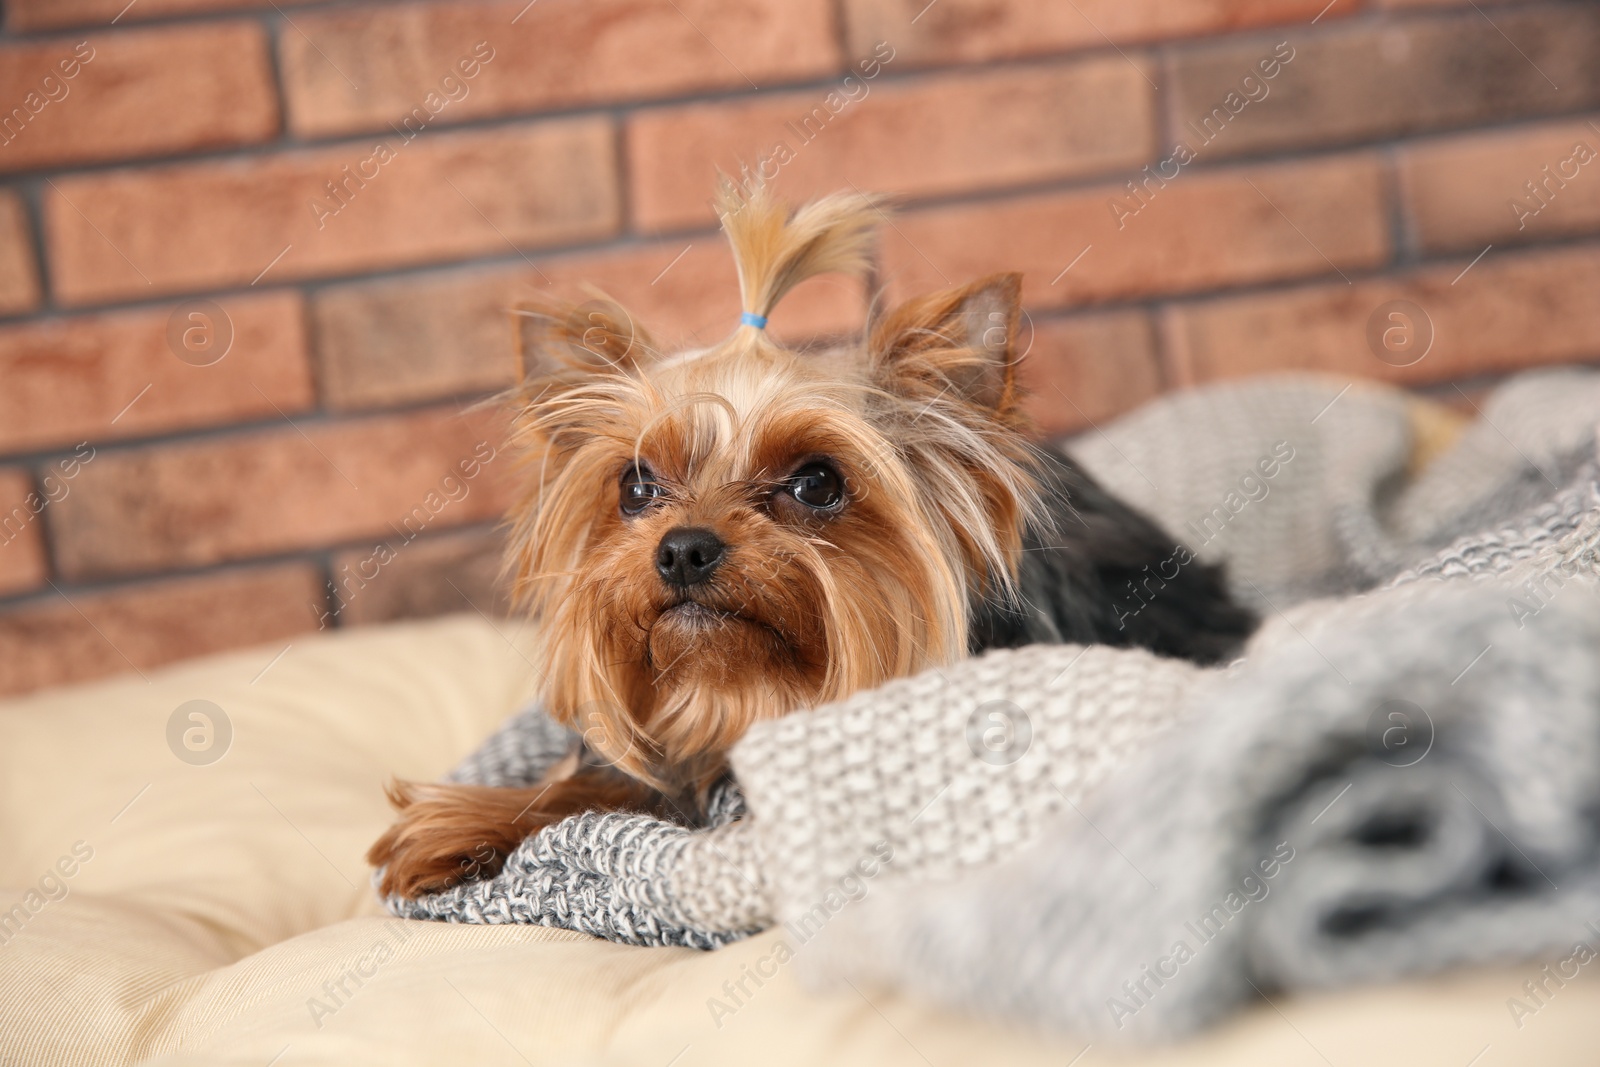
[[952, 533]]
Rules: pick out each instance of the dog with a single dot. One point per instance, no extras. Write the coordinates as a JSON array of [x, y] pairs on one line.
[[711, 538]]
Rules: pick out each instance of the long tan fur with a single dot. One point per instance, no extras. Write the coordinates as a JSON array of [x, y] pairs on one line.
[[775, 251], [921, 421]]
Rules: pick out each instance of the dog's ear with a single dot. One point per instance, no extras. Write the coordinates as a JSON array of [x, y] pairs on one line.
[[960, 342], [556, 340]]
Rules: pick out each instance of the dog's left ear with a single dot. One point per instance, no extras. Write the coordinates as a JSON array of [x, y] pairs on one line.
[[555, 340], [959, 342]]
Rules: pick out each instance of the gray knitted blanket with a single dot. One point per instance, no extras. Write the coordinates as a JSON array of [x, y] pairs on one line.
[[1397, 776]]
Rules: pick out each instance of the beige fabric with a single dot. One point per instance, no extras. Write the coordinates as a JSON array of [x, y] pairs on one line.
[[219, 899]]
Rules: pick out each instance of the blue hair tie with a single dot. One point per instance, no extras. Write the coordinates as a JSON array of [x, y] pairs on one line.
[[750, 318]]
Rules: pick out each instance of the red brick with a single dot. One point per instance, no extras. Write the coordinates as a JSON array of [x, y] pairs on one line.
[[1207, 229], [275, 491], [22, 562], [52, 14], [19, 281], [1459, 192], [1392, 77], [54, 640], [145, 93], [949, 31], [68, 379], [1087, 369], [448, 333], [167, 229], [993, 129], [393, 342], [364, 68], [398, 341], [1508, 312], [429, 576], [1401, 5]]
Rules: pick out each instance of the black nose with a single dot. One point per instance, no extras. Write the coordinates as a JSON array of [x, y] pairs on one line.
[[689, 555]]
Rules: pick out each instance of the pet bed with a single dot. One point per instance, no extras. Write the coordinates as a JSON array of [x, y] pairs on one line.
[[893, 781], [184, 911]]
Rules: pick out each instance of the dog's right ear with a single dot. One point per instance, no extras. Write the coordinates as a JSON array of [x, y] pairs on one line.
[[560, 340], [958, 343]]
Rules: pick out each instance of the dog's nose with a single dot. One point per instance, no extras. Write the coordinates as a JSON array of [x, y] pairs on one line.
[[689, 555]]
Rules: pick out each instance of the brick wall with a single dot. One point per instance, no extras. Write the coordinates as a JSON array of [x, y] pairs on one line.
[[254, 257]]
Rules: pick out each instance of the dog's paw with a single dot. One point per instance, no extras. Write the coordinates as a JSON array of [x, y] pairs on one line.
[[449, 834], [445, 835]]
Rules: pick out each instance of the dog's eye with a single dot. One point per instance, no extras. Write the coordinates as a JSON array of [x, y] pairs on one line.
[[639, 489], [817, 485]]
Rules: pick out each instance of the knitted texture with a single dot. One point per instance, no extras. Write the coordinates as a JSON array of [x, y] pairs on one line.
[[1032, 828], [1567, 519], [932, 751], [518, 753], [1191, 460], [1387, 785], [948, 769], [1526, 426], [614, 876]]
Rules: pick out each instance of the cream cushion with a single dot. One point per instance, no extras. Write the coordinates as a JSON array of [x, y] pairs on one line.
[[223, 906]]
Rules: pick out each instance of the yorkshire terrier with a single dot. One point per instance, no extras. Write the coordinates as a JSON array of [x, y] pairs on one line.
[[714, 537]]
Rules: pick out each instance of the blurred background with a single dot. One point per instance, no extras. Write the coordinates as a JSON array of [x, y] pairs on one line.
[[255, 259]]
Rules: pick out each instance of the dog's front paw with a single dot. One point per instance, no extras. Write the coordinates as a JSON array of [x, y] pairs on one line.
[[445, 835]]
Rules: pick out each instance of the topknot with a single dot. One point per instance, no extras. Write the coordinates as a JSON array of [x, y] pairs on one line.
[[776, 251]]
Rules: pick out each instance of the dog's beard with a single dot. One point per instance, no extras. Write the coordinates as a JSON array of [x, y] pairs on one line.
[[715, 672], [662, 685], [691, 645]]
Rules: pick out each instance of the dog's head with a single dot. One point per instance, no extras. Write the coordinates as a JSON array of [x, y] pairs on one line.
[[712, 537]]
